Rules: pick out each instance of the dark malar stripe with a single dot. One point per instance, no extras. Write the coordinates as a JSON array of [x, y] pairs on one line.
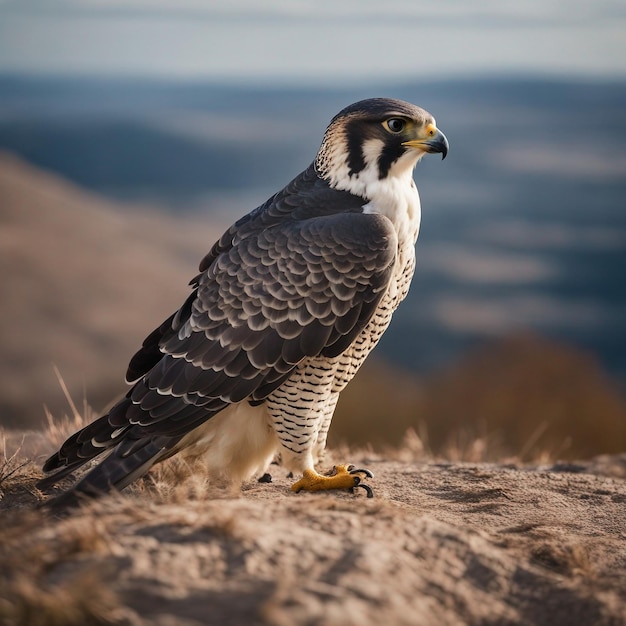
[[355, 138], [390, 154]]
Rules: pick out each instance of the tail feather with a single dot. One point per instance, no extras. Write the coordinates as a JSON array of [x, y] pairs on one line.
[[130, 452], [118, 470], [86, 444], [76, 451], [115, 472], [48, 481]]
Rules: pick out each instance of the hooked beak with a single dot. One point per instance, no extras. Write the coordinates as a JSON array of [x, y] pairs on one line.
[[435, 142]]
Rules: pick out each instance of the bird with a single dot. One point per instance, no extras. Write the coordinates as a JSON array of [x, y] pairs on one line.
[[286, 307]]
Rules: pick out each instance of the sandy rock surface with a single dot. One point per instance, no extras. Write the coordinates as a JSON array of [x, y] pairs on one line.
[[439, 543]]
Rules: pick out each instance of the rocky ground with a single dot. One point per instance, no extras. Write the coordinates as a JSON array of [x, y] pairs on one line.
[[440, 543]]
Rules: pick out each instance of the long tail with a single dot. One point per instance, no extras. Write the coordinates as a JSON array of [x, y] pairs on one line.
[[84, 445], [127, 462], [132, 452]]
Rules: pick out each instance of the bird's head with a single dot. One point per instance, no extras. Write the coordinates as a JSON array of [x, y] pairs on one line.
[[376, 139]]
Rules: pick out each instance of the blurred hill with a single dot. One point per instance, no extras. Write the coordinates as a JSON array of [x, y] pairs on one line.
[[523, 224], [522, 397], [85, 279]]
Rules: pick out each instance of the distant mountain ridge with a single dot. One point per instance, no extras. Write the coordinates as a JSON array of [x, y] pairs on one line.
[[523, 225], [181, 140], [83, 282]]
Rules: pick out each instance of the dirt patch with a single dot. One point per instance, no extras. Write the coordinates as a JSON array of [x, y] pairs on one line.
[[440, 543]]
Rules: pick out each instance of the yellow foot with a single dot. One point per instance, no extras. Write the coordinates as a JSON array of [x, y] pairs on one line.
[[344, 477]]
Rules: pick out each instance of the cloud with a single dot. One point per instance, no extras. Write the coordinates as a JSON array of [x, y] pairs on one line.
[[492, 12], [323, 40], [479, 266], [494, 316], [548, 236], [584, 160]]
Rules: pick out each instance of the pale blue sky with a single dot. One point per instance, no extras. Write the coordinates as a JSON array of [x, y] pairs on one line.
[[316, 41]]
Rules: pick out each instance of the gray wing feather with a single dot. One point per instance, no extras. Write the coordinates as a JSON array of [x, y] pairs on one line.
[[296, 289], [267, 303]]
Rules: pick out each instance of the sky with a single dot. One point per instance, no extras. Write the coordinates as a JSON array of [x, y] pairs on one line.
[[313, 41]]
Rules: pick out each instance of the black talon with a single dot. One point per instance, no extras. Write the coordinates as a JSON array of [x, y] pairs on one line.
[[368, 489], [354, 470], [266, 478], [370, 493], [358, 483]]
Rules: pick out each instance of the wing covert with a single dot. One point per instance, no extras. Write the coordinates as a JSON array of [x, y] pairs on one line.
[[296, 290]]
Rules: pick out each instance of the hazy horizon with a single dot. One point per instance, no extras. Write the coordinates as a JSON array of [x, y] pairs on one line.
[[324, 43]]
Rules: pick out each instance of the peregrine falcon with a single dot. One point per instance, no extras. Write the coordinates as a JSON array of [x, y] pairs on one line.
[[285, 309]]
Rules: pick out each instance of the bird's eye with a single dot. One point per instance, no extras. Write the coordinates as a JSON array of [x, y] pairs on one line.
[[395, 124]]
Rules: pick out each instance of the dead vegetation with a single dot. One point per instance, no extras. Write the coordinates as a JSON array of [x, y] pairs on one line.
[[442, 542], [12, 466], [47, 577], [522, 397]]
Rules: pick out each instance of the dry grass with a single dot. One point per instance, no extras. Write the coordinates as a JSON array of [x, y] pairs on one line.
[[33, 549], [464, 446], [176, 545], [522, 397], [177, 481], [17, 473], [73, 602], [567, 559], [58, 430], [12, 465], [32, 552]]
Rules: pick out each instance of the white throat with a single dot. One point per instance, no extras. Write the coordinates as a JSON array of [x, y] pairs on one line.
[[395, 196]]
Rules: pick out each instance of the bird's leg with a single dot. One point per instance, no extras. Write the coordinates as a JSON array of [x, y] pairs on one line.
[[343, 477], [302, 429]]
